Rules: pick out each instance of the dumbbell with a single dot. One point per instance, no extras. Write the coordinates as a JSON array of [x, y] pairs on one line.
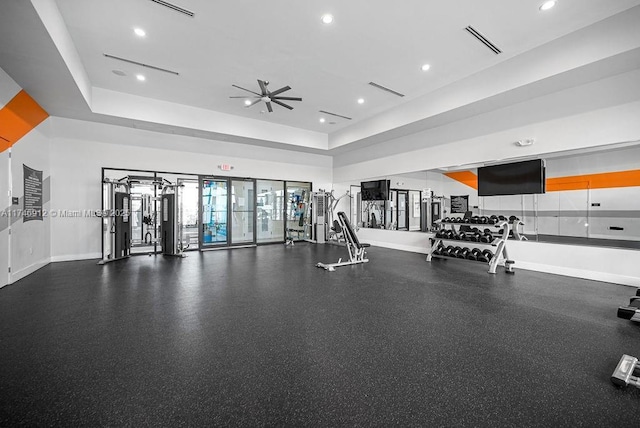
[[624, 373], [481, 257], [474, 219], [488, 254], [632, 311], [486, 237], [445, 220], [449, 252], [513, 219], [462, 254], [473, 254], [493, 219], [484, 220], [502, 218]]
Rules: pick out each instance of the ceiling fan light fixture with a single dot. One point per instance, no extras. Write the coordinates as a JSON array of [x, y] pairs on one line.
[[327, 18], [247, 102], [547, 5]]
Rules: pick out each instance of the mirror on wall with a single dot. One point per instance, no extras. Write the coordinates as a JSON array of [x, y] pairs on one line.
[[592, 197]]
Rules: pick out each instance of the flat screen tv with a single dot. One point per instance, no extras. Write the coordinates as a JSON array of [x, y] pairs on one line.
[[377, 190], [519, 178]]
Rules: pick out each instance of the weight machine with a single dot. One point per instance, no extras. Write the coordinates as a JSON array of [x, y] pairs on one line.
[[355, 248], [171, 223], [116, 220]]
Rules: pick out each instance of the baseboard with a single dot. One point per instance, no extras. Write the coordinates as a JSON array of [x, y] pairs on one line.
[[18, 275], [579, 273], [74, 257]]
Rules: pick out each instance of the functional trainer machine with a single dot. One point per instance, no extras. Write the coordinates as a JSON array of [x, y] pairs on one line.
[[355, 248], [623, 375], [171, 224], [116, 224]]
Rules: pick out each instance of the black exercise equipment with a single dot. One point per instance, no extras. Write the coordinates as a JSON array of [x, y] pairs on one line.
[[626, 372], [355, 248], [488, 254], [632, 311]]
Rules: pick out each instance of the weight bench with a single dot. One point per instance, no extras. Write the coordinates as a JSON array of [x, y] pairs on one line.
[[355, 248]]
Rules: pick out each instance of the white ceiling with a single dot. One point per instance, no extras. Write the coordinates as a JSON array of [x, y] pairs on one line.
[[282, 41]]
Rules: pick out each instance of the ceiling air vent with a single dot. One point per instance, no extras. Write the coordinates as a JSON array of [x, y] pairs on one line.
[[483, 40], [174, 7], [391, 91], [153, 67], [334, 114]]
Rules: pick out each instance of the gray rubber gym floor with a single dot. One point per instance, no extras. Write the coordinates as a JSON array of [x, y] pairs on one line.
[[261, 337]]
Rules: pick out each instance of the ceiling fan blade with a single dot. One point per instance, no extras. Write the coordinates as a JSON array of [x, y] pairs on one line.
[[240, 87], [257, 100], [269, 107], [281, 90], [281, 104], [287, 98], [246, 96], [263, 87]]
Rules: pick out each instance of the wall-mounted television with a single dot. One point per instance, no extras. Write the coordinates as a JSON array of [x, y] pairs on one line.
[[519, 178], [377, 190]]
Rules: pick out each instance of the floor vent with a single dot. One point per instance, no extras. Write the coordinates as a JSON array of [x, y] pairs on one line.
[[483, 40], [391, 91], [335, 114], [174, 7], [153, 67]]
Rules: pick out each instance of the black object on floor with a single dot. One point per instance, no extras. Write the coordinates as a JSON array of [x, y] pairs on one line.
[[259, 336]]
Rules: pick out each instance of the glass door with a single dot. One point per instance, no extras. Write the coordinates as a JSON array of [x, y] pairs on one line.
[[270, 207], [242, 212], [188, 212], [215, 212], [403, 218]]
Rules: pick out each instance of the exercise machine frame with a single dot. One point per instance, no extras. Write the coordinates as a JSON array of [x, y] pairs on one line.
[[355, 248]]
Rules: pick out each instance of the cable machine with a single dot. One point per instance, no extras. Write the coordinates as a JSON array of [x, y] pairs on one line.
[[116, 220], [171, 223]]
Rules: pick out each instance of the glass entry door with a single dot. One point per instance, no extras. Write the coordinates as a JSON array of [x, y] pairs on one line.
[[215, 212], [242, 212]]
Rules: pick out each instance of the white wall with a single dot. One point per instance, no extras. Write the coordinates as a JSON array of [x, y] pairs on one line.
[[30, 241], [79, 151], [24, 247]]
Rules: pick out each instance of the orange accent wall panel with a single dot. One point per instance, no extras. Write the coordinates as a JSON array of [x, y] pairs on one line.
[[604, 180], [464, 177], [18, 117]]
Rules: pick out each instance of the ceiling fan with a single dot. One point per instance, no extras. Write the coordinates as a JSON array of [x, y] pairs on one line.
[[268, 96]]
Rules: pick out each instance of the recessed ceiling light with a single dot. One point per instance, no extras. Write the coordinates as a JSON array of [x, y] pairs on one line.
[[327, 18], [141, 77], [247, 102], [360, 100], [425, 67], [322, 120], [548, 5], [139, 32]]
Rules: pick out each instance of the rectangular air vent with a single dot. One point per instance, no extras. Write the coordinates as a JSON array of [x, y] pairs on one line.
[[335, 114], [482, 39], [391, 91], [153, 67], [174, 7]]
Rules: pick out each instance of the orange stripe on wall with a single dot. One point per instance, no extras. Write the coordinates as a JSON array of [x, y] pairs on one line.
[[605, 180], [18, 118], [595, 181], [464, 177]]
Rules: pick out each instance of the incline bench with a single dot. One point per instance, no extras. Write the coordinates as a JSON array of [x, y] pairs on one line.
[[354, 246]]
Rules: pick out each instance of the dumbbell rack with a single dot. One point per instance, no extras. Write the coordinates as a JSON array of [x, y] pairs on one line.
[[500, 256]]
